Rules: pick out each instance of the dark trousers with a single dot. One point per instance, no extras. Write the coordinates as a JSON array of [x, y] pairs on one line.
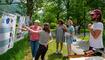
[[41, 52], [96, 53]]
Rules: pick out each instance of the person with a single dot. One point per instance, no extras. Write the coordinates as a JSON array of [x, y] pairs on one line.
[[77, 29], [60, 31], [69, 35], [34, 37], [96, 33], [45, 35]]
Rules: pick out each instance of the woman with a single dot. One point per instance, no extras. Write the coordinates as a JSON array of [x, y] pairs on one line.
[[34, 37], [45, 34], [96, 33], [69, 35], [60, 31]]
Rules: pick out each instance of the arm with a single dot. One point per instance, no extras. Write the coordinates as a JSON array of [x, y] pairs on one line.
[[32, 30], [23, 29], [65, 28], [51, 38], [95, 33]]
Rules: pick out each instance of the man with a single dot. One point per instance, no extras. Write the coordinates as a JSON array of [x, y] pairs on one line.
[[96, 33]]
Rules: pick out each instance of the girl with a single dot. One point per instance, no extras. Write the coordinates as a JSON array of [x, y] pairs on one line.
[[69, 35], [60, 31]]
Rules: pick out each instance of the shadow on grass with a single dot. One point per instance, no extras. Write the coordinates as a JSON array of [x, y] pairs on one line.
[[55, 56]]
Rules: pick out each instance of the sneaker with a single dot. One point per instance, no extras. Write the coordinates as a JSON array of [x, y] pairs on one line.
[[33, 58], [66, 56], [60, 52], [57, 52]]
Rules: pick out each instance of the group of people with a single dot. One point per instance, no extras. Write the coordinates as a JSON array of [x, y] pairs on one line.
[[40, 36]]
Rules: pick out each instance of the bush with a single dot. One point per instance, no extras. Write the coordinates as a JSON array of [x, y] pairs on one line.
[[53, 25], [104, 38]]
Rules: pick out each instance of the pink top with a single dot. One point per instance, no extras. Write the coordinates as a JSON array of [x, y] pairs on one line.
[[34, 36]]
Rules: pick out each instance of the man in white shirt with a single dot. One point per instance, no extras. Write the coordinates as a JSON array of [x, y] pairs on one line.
[[96, 31]]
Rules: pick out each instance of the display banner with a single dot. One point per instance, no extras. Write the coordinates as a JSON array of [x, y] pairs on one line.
[[7, 32], [12, 30], [19, 32], [4, 33]]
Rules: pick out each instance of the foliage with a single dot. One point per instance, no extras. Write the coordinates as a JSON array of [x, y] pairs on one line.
[[53, 25]]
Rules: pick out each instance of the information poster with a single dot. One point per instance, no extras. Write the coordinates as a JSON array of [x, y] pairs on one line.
[[4, 33], [19, 32], [7, 32]]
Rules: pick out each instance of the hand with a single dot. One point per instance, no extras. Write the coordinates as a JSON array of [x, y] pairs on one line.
[[89, 26], [45, 45], [23, 26]]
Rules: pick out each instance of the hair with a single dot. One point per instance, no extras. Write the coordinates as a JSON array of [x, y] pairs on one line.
[[99, 14], [70, 21], [46, 29]]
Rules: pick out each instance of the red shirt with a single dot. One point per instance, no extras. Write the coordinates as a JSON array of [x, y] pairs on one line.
[[34, 36]]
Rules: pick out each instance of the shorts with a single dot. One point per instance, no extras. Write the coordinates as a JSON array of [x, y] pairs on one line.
[[69, 40]]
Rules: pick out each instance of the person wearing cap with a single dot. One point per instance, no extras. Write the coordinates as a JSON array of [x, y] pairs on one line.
[[34, 36], [96, 32]]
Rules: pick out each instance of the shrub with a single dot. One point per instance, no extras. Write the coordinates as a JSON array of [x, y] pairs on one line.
[[53, 25]]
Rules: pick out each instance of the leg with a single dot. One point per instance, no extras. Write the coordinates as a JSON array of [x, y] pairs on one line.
[[39, 52], [36, 46], [69, 49], [57, 46], [61, 46], [44, 50], [32, 48]]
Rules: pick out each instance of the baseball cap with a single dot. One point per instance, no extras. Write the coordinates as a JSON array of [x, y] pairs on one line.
[[37, 21]]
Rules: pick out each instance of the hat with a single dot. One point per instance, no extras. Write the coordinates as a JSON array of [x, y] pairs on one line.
[[37, 21]]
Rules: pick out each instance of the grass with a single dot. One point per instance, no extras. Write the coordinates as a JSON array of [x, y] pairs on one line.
[[50, 55], [51, 52], [17, 52], [86, 38]]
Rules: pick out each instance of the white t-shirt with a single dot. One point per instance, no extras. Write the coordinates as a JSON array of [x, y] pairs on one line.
[[97, 43]]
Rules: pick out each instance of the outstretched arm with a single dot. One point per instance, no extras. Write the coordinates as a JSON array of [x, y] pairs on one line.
[[32, 30]]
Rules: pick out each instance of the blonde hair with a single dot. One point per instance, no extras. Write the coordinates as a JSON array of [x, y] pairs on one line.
[[70, 21]]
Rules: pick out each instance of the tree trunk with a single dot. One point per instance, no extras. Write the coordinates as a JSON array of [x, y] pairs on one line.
[[67, 6], [30, 5]]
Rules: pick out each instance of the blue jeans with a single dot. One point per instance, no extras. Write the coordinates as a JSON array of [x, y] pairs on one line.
[[34, 47]]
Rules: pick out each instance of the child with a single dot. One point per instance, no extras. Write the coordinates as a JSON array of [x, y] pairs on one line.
[[69, 36], [60, 31]]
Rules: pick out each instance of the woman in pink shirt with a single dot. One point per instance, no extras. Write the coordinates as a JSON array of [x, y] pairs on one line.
[[34, 37]]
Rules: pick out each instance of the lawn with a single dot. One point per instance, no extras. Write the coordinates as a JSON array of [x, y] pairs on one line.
[[50, 53]]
